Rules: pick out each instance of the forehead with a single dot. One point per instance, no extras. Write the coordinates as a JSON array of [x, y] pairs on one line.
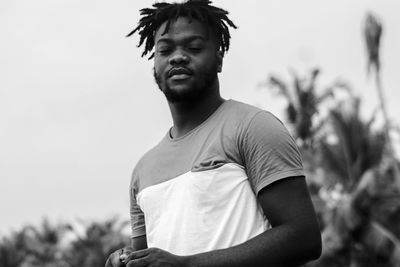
[[183, 27]]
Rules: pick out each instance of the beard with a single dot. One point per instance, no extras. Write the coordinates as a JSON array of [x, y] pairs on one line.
[[201, 88]]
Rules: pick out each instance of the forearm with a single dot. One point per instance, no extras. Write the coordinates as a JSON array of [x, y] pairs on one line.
[[139, 242], [280, 246]]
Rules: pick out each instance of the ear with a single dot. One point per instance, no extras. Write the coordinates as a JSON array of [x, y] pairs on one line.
[[220, 57]]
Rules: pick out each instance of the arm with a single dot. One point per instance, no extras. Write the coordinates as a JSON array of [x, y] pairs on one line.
[[139, 242], [293, 240]]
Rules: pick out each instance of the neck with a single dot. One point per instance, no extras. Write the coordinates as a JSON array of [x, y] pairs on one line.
[[187, 116]]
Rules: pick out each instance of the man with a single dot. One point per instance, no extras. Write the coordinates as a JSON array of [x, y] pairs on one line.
[[225, 186]]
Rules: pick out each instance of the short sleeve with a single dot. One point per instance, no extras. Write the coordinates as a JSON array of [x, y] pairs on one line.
[[136, 214], [269, 152]]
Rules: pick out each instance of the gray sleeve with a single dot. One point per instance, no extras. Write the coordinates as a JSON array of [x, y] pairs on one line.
[[136, 214], [269, 151]]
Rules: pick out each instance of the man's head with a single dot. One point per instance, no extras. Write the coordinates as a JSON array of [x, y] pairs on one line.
[[189, 40]]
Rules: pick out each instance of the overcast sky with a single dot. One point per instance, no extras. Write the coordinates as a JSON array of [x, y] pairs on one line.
[[78, 106]]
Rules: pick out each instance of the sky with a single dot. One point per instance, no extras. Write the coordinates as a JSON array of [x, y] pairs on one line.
[[79, 106]]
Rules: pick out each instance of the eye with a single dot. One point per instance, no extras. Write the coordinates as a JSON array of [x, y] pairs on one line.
[[195, 48], [163, 50]]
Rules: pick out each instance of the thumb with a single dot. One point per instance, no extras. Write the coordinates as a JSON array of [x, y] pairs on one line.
[[108, 263], [114, 260]]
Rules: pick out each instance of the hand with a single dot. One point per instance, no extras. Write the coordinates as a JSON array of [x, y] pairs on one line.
[[154, 257], [117, 257]]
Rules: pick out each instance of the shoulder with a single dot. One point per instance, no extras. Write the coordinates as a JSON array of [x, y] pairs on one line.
[[147, 161], [253, 120], [246, 112], [240, 109]]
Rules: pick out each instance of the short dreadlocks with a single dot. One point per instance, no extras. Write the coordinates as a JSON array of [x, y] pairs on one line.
[[201, 10]]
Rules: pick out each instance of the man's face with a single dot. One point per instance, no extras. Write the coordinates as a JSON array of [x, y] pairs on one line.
[[186, 61]]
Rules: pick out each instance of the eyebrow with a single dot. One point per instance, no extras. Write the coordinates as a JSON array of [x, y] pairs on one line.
[[187, 40]]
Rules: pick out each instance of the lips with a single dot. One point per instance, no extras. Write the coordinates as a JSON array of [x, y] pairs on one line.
[[179, 73]]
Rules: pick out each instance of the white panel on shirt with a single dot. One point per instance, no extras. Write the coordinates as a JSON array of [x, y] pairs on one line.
[[202, 211]]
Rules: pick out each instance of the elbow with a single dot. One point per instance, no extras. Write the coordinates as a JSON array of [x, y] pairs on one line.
[[309, 245], [311, 234], [313, 246], [316, 249]]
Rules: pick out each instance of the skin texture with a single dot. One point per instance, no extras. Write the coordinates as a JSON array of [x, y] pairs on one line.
[[190, 48], [193, 95]]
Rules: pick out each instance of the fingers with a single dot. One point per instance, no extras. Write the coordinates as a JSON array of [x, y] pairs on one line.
[[128, 250], [152, 257], [137, 254], [141, 262]]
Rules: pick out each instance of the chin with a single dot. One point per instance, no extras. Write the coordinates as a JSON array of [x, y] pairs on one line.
[[180, 97], [181, 94], [180, 89], [189, 91]]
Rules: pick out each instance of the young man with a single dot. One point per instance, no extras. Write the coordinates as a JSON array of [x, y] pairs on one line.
[[225, 186]]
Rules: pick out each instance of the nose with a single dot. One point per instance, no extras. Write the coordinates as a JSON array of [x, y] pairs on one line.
[[178, 58]]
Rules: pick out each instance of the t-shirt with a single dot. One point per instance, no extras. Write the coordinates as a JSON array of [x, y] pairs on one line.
[[198, 192]]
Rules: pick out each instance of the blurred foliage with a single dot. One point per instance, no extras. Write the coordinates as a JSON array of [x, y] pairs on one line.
[[358, 192], [351, 178], [63, 245], [303, 102], [372, 35], [352, 170], [350, 147]]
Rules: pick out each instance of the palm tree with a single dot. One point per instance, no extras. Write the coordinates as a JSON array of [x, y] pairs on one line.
[[354, 232], [303, 102], [372, 33], [352, 147]]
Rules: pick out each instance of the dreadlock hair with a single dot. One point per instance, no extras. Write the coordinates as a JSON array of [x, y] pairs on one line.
[[201, 10]]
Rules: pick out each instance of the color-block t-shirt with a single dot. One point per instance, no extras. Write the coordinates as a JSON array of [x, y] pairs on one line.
[[198, 192]]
